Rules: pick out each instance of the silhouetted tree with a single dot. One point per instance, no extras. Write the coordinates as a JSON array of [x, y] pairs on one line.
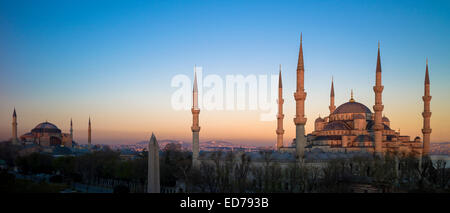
[[35, 163]]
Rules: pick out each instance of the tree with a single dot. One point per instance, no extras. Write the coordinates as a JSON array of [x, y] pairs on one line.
[[35, 163], [241, 172], [9, 152]]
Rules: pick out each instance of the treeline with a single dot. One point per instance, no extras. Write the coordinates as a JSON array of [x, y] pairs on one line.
[[231, 172], [238, 172], [85, 168], [92, 167]]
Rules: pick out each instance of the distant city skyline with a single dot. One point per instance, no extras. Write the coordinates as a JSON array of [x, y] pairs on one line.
[[114, 61]]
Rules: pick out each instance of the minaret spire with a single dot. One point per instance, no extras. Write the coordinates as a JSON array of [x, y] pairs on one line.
[[280, 115], [379, 62], [300, 96], [378, 107], [280, 83], [300, 67], [195, 124], [195, 91], [426, 114], [332, 107], [427, 78], [14, 138]]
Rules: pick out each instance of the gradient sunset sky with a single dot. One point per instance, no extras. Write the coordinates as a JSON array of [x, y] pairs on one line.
[[114, 61]]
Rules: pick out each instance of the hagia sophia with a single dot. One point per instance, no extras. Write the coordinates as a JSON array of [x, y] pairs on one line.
[[349, 129], [46, 135]]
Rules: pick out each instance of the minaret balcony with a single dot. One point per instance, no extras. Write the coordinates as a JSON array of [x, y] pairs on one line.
[[300, 121], [426, 131], [195, 111], [378, 89], [378, 108], [426, 114], [299, 96], [280, 131], [426, 98], [195, 128]]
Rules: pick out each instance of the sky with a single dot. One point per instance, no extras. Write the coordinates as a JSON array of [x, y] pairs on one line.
[[114, 61]]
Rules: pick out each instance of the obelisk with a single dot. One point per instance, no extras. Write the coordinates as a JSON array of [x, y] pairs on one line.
[[153, 183]]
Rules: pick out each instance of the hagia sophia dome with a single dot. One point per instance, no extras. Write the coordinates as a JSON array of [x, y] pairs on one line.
[[46, 127], [47, 134]]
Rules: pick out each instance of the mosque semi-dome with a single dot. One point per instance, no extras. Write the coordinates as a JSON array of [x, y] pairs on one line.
[[336, 125], [46, 127], [371, 123], [352, 107], [385, 119]]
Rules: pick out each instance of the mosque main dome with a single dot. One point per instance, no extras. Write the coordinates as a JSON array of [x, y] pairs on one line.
[[46, 127], [352, 107]]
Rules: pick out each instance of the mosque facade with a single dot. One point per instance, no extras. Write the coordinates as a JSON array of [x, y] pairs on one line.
[[352, 126], [46, 134], [349, 129]]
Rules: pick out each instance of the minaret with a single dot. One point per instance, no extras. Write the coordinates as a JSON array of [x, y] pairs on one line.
[[14, 138], [71, 130], [71, 135], [89, 134], [195, 124], [300, 97], [378, 107], [426, 114], [332, 107], [153, 182], [280, 115]]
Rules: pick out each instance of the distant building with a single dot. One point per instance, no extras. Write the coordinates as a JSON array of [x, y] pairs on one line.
[[47, 134], [46, 137]]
